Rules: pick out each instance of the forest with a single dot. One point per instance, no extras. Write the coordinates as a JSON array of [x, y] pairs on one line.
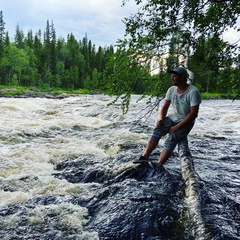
[[44, 61]]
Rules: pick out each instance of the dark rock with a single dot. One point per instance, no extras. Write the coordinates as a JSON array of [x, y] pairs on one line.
[[138, 203]]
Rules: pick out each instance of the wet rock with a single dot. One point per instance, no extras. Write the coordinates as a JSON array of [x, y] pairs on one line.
[[139, 203], [127, 213], [31, 93], [80, 170]]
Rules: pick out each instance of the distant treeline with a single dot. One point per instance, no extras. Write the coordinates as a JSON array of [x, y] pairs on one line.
[[43, 60]]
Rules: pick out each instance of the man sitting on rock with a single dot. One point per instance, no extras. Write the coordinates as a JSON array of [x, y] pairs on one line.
[[185, 100]]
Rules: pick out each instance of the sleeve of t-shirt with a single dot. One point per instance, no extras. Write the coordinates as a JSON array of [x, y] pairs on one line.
[[195, 98], [169, 94]]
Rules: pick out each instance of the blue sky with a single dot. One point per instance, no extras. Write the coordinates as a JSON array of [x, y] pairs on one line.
[[101, 20]]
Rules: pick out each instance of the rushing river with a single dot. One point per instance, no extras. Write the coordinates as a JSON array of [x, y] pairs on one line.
[[66, 172]]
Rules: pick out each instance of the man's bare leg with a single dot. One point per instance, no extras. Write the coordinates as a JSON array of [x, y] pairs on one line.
[[164, 156], [152, 144]]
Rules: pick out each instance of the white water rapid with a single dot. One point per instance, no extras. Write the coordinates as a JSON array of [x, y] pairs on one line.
[[37, 134]]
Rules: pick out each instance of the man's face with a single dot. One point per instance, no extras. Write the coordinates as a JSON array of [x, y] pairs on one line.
[[176, 79]]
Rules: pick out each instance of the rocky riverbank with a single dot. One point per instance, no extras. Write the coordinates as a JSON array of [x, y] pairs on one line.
[[31, 93]]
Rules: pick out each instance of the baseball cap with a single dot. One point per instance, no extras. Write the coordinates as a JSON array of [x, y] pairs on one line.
[[179, 70]]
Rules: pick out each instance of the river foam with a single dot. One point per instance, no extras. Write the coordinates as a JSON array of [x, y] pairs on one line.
[[60, 158]]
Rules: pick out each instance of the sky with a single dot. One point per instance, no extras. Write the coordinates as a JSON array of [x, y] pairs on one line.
[[100, 20]]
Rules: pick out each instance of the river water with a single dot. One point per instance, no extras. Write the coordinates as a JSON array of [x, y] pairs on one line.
[[61, 158]]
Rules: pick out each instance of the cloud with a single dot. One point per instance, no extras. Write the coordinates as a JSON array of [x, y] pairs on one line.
[[101, 20], [232, 35]]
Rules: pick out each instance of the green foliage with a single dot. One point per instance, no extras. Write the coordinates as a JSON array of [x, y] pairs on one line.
[[163, 31], [12, 92], [33, 91], [14, 80], [124, 75], [174, 30], [128, 72], [156, 20], [2, 34], [15, 61], [211, 58], [228, 81], [42, 60], [216, 96]]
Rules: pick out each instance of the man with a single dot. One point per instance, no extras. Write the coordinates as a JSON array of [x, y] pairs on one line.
[[185, 100]]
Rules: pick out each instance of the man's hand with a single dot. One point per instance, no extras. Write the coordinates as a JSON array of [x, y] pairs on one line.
[[174, 129], [159, 122]]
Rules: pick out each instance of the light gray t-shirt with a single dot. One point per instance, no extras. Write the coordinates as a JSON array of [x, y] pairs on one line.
[[181, 103]]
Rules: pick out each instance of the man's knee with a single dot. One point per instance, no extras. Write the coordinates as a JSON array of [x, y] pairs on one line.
[[170, 144]]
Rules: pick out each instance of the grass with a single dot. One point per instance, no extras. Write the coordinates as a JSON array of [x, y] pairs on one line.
[[217, 96], [20, 90]]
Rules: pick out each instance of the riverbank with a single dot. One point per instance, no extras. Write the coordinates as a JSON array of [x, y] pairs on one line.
[[40, 93], [23, 92]]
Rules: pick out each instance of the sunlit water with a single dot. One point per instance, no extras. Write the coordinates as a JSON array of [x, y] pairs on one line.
[[37, 134]]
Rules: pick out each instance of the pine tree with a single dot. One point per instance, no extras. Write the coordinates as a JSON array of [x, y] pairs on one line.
[[39, 53], [85, 53], [2, 34], [19, 38], [53, 47], [7, 39], [47, 46], [2, 38], [74, 63], [29, 39], [99, 59]]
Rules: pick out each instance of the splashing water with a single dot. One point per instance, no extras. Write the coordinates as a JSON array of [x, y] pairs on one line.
[[62, 158]]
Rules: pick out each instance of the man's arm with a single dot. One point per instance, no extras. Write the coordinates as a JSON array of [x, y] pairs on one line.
[[191, 116], [163, 111]]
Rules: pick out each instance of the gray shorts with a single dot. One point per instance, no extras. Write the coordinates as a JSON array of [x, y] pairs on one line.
[[173, 138]]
